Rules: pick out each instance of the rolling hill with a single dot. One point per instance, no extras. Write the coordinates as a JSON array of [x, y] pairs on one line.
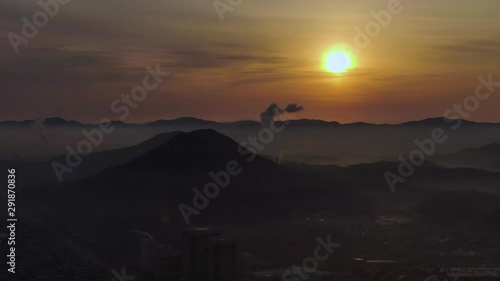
[[42, 172], [485, 158]]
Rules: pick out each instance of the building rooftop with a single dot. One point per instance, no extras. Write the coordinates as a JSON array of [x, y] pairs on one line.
[[201, 231]]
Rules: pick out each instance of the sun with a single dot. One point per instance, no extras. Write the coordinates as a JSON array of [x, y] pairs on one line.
[[338, 61]]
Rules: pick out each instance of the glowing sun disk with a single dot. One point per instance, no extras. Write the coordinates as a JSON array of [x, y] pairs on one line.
[[337, 61]]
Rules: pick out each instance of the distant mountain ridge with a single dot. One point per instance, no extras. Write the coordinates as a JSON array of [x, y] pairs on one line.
[[192, 121], [485, 157], [371, 175], [302, 140]]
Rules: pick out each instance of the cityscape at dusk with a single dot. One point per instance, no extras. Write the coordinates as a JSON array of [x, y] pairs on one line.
[[250, 140]]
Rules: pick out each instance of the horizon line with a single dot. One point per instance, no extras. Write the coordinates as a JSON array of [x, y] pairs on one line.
[[248, 120]]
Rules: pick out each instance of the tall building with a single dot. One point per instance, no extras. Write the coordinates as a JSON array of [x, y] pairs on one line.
[[170, 267], [206, 256], [221, 260], [195, 251], [150, 250]]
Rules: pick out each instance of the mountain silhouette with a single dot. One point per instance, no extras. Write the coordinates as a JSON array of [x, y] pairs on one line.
[[165, 177], [193, 122], [430, 175], [43, 172], [486, 158], [196, 154]]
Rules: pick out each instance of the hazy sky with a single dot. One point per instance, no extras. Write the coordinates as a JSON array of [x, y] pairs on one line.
[[426, 59]]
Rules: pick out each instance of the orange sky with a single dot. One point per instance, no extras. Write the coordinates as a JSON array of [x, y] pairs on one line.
[[427, 58]]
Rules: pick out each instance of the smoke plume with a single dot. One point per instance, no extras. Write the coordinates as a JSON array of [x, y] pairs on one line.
[[274, 110]]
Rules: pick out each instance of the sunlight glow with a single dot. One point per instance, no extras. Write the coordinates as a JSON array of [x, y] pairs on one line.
[[338, 61]]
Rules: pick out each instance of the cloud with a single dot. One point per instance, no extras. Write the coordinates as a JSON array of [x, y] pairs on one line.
[[465, 52], [60, 64], [484, 47], [187, 58]]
